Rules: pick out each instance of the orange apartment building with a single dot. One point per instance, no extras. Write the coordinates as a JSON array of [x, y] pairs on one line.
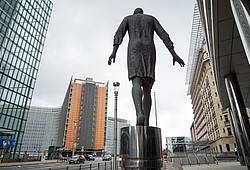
[[84, 115]]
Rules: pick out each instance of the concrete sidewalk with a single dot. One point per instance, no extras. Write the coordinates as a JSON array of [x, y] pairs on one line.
[[29, 163], [171, 166], [220, 166]]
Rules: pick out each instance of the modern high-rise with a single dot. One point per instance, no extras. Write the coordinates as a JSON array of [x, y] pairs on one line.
[[109, 144], [83, 117], [41, 129], [211, 122], [23, 28], [226, 24], [192, 132]]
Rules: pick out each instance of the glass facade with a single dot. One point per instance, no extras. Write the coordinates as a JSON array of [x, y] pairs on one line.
[[178, 144], [23, 27], [242, 19], [109, 144], [41, 129]]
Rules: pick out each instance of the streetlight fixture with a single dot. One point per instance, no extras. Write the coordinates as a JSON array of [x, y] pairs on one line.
[[116, 89]]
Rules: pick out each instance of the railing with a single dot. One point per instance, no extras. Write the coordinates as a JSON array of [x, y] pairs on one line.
[[193, 158], [215, 159], [206, 158], [92, 166], [189, 161], [197, 158]]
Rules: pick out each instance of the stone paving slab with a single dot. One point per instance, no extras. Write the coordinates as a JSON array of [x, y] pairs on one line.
[[171, 166], [220, 166]]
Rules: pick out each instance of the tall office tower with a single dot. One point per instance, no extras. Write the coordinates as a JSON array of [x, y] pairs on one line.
[[23, 27], [211, 122], [227, 28], [109, 144], [196, 44], [192, 132], [41, 129], [83, 117]]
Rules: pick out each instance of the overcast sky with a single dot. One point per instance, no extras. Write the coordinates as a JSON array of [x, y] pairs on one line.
[[79, 42]]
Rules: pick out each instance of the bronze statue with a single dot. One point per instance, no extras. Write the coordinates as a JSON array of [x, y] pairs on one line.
[[141, 58]]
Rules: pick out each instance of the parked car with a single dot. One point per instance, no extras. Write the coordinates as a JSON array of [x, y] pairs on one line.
[[90, 158], [76, 159], [107, 158]]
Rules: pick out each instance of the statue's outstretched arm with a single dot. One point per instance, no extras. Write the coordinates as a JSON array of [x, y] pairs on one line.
[[113, 55], [167, 41], [120, 33]]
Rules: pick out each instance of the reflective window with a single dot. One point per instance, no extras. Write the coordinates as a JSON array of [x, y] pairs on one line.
[[242, 20], [22, 23]]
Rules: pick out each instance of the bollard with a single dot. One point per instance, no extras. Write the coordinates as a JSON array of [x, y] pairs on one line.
[[80, 167], [98, 166], [67, 168], [111, 165], [90, 165], [105, 165], [49, 168]]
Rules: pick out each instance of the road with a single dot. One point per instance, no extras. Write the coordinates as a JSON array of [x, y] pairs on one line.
[[61, 166]]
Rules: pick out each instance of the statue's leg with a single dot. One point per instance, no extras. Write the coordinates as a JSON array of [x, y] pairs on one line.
[[147, 101], [137, 98]]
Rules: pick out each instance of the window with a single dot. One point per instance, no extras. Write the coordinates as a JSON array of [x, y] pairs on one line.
[[229, 131], [220, 148], [226, 118], [228, 147]]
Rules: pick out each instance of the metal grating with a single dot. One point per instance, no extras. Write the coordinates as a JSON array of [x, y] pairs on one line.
[[196, 42]]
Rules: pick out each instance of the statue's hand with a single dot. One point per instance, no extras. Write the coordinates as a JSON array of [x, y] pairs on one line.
[[112, 57], [176, 58]]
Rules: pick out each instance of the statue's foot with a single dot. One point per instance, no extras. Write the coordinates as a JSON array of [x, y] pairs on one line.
[[140, 120]]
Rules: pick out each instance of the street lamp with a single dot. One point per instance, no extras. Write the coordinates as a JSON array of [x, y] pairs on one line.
[[116, 89]]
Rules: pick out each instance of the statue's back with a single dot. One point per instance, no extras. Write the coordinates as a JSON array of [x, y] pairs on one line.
[[141, 28]]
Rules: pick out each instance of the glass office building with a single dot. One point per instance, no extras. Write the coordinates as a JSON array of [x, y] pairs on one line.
[[178, 144], [23, 27], [41, 130], [109, 143]]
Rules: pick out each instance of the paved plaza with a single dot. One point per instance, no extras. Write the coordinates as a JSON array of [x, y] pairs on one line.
[[220, 166], [166, 166]]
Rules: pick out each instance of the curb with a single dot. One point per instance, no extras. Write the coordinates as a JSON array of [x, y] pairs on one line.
[[25, 163]]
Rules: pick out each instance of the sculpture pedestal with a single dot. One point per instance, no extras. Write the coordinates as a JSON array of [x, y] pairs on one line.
[[141, 148]]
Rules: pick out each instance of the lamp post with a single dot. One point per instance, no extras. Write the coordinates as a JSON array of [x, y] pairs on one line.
[[116, 89]]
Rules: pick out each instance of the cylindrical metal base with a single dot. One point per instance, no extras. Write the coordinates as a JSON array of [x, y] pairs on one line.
[[141, 148]]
